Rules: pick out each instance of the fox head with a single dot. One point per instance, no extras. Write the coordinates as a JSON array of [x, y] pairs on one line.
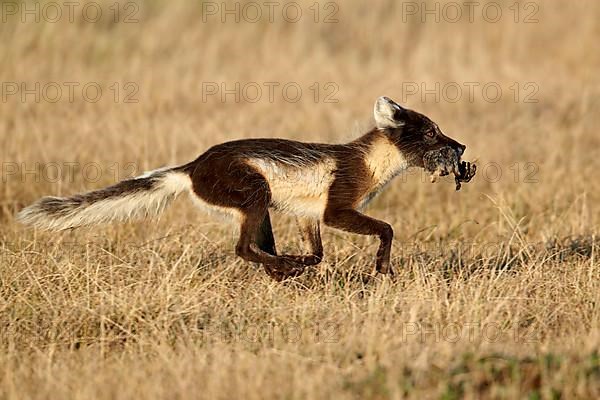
[[413, 133]]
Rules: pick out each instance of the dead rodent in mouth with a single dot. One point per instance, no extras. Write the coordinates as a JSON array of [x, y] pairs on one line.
[[444, 161]]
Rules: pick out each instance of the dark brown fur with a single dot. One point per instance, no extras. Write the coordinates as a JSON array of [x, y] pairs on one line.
[[223, 178], [229, 177]]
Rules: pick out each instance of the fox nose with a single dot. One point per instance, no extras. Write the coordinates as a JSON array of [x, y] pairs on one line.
[[461, 149]]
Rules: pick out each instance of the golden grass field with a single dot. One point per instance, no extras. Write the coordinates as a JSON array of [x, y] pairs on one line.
[[497, 290]]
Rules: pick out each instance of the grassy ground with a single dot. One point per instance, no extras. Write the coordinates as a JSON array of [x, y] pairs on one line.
[[497, 290]]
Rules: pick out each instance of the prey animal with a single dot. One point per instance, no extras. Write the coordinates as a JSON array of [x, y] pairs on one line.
[[245, 180]]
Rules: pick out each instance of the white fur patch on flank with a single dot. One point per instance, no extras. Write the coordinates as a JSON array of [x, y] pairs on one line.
[[385, 161], [300, 190], [120, 202]]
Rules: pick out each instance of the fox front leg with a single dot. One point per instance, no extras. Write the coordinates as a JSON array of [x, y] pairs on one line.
[[354, 222]]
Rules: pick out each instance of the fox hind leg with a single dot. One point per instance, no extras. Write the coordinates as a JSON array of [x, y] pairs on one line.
[[242, 188], [277, 267], [286, 266], [264, 238]]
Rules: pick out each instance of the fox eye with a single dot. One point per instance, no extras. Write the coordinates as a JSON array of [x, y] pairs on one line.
[[430, 133]]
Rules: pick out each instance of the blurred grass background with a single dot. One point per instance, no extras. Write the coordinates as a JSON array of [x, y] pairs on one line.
[[131, 310]]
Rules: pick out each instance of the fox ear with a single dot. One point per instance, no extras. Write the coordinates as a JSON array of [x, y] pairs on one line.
[[388, 114]]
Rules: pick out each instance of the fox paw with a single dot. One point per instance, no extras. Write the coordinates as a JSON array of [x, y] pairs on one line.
[[284, 268], [466, 172]]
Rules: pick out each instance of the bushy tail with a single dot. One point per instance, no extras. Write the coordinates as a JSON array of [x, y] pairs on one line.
[[145, 195]]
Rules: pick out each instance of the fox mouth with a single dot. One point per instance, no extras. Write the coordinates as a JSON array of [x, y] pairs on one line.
[[446, 160]]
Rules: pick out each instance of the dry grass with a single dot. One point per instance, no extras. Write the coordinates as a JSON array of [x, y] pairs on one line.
[[497, 293]]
